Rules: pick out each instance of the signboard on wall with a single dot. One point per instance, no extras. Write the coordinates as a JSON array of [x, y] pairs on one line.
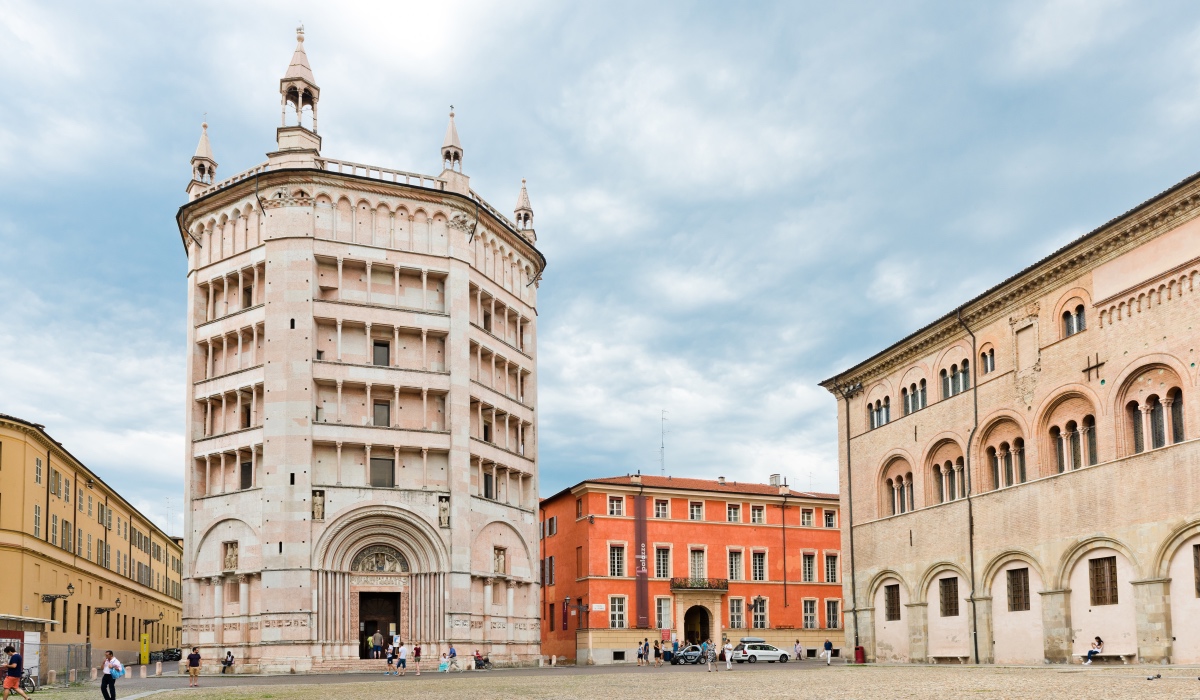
[[145, 649], [641, 569], [597, 607], [31, 652]]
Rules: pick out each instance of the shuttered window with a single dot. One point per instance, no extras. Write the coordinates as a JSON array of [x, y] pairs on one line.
[[891, 602], [1018, 590], [1103, 576], [948, 587]]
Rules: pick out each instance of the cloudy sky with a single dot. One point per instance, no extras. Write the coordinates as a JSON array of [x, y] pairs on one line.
[[736, 200]]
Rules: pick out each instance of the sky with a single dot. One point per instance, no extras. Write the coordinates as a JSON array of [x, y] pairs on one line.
[[736, 200]]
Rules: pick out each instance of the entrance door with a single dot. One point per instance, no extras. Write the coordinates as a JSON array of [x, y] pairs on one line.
[[696, 625], [377, 612]]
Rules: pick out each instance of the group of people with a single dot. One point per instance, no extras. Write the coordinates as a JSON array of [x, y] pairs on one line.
[[398, 654], [397, 659], [643, 653]]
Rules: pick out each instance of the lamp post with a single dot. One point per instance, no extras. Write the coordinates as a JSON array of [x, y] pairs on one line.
[[101, 611], [151, 620], [51, 597]]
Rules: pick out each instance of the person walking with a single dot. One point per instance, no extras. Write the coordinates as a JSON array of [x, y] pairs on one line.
[[193, 667], [402, 659], [798, 651], [13, 670], [641, 653], [454, 658], [728, 654], [417, 657], [391, 658], [711, 659], [377, 645], [828, 653], [1097, 648], [227, 663], [657, 654], [108, 682]]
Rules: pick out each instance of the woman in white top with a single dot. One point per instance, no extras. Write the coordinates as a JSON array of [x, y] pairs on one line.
[[108, 682]]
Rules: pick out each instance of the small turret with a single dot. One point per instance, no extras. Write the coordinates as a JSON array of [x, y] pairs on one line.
[[524, 213], [204, 167], [298, 145], [452, 157]]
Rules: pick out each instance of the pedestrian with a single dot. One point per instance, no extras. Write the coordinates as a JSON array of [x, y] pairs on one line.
[[1097, 648], [402, 659], [377, 645], [798, 651], [227, 664], [391, 657], [193, 667], [674, 649], [703, 651], [641, 653], [454, 657], [112, 670], [710, 657], [728, 655], [828, 653], [13, 670], [417, 657], [657, 654]]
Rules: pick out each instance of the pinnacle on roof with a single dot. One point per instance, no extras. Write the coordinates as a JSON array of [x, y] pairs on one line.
[[299, 67], [451, 140], [523, 199], [204, 149]]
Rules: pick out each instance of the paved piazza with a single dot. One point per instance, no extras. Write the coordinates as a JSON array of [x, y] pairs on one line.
[[790, 681]]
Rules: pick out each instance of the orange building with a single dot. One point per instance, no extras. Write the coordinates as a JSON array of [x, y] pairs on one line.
[[633, 557]]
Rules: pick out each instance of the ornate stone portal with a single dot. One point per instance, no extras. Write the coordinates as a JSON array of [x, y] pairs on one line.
[[379, 559]]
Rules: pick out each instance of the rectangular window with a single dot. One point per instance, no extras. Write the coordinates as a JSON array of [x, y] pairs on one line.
[[830, 518], [489, 486], [37, 520], [1103, 572], [832, 618], [810, 615], [733, 513], [735, 566], [948, 591], [662, 508], [53, 529], [579, 570], [758, 566], [616, 505], [67, 531], [662, 613], [737, 617], [382, 472], [37, 470], [550, 616], [616, 560], [662, 562], [383, 414], [379, 358], [552, 526], [891, 602], [696, 567], [1018, 590], [549, 571], [89, 549], [616, 612], [89, 506], [578, 508], [760, 615], [79, 500], [758, 514], [831, 575], [247, 475], [695, 511], [806, 517], [808, 568], [67, 490]]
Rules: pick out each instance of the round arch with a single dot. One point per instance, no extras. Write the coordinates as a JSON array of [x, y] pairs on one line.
[[1166, 551], [236, 529], [1006, 557], [882, 577], [932, 572], [397, 527], [1072, 556], [488, 536]]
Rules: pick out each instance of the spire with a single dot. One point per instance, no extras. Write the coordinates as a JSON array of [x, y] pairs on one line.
[[203, 149], [452, 151], [204, 166], [299, 67], [524, 211]]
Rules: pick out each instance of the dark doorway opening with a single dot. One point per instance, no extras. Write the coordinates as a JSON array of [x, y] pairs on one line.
[[696, 625], [377, 612]]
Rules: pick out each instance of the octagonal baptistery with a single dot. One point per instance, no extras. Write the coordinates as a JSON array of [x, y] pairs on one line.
[[362, 451]]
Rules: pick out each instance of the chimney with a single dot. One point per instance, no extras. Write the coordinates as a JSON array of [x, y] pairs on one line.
[[775, 480], [636, 478], [721, 480]]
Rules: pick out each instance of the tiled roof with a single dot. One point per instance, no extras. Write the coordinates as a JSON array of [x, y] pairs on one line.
[[705, 485]]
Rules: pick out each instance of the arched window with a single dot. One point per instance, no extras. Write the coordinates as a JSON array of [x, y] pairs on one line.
[[939, 481], [1089, 439], [1073, 443], [905, 402], [1019, 449], [994, 460], [1008, 464], [965, 375], [1133, 414], [1060, 452], [1080, 324], [879, 413], [899, 495], [946, 385], [891, 494], [922, 404], [887, 410], [952, 481], [1158, 424], [962, 481], [1068, 324], [987, 360], [1073, 321], [912, 498], [1176, 398]]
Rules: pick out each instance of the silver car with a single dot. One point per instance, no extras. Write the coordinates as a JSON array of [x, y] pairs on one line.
[[753, 652]]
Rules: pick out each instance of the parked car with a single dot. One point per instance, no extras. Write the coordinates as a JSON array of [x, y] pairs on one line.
[[172, 654], [687, 655], [757, 650]]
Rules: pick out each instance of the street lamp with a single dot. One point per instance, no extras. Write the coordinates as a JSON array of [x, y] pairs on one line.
[[151, 620], [101, 611], [52, 597]]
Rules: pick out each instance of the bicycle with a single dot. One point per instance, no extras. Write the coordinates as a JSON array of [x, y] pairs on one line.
[[29, 682]]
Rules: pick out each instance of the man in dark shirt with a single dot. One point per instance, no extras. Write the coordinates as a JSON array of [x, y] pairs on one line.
[[193, 660], [14, 669]]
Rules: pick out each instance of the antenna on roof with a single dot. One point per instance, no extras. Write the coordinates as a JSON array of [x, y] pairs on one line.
[[662, 447]]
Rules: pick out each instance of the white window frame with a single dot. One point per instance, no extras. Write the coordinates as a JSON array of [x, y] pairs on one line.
[[670, 563], [826, 516], [837, 602], [837, 567], [809, 575], [738, 622], [666, 511], [703, 549], [765, 614], [806, 517], [761, 512], [734, 510], [766, 576], [624, 558], [691, 510], [37, 521], [740, 573], [617, 619], [659, 620], [807, 622], [619, 502], [37, 470]]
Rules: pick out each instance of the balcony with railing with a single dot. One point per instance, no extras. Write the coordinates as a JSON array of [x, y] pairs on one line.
[[686, 583]]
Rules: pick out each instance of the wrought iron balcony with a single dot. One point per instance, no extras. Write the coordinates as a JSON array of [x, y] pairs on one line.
[[699, 584]]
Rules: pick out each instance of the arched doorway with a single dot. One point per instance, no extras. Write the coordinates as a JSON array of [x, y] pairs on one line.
[[696, 624]]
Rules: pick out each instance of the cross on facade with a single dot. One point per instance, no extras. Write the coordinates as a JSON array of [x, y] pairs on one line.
[[1094, 366]]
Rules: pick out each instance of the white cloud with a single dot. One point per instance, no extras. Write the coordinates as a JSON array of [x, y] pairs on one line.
[[1053, 36]]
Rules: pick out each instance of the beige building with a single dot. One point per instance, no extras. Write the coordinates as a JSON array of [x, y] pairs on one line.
[[362, 451], [1022, 475], [82, 566]]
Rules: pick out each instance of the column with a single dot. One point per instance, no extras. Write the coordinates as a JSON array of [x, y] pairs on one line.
[[253, 466], [224, 293], [208, 365], [520, 489], [511, 585], [424, 408], [339, 463], [424, 467], [396, 349], [506, 442], [508, 486], [495, 426], [370, 407], [367, 464], [211, 308], [221, 478], [945, 483], [218, 610], [253, 406], [238, 409], [479, 353], [207, 475], [1068, 454], [392, 229], [1147, 428], [479, 407], [224, 354], [239, 356], [492, 376], [241, 284], [479, 304], [424, 350], [506, 392], [895, 499], [396, 284], [208, 418], [243, 596], [424, 290], [495, 484], [224, 414], [369, 276], [962, 485], [396, 467], [339, 265], [339, 340], [254, 343], [254, 289], [339, 401], [396, 407], [493, 330], [521, 437], [519, 344], [410, 232]]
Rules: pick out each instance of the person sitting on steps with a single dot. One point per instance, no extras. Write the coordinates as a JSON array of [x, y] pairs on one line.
[[1097, 648]]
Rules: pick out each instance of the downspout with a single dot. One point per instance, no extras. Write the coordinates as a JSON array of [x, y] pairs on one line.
[[970, 489], [847, 392]]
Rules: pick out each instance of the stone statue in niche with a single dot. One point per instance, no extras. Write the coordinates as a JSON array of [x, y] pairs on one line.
[[318, 505], [231, 556], [379, 559], [443, 511]]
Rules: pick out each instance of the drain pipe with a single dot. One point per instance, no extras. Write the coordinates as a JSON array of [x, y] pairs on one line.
[[970, 486], [847, 392]]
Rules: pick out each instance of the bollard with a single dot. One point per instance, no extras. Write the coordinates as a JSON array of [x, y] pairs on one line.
[[71, 676], [554, 660], [142, 671], [51, 676], [183, 668], [158, 668], [94, 674], [540, 660]]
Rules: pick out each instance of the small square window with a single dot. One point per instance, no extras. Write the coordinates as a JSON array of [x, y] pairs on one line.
[[695, 511], [758, 514], [616, 505], [662, 508], [733, 513], [830, 518], [380, 355], [806, 517]]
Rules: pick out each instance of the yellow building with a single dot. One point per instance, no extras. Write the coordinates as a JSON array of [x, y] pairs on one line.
[[81, 564]]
